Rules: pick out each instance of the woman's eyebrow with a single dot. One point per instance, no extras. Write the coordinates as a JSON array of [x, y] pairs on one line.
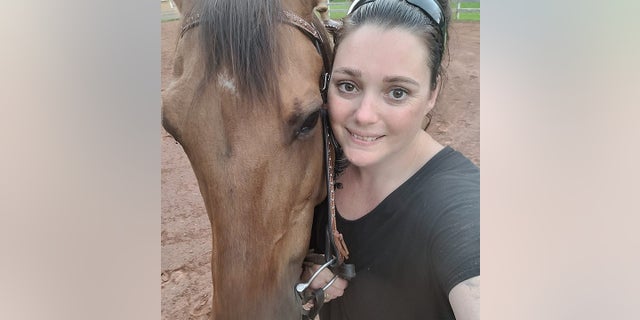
[[396, 79], [348, 71]]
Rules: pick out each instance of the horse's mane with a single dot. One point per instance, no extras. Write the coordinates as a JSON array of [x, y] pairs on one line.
[[239, 38]]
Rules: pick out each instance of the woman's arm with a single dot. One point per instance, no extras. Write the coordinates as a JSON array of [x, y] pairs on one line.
[[465, 299]]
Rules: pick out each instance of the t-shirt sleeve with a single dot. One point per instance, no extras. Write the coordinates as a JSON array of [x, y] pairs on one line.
[[456, 242]]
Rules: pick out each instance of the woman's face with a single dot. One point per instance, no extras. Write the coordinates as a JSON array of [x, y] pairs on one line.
[[379, 94]]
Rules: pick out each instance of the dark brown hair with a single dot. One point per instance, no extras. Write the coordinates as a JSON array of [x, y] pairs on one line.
[[390, 14], [240, 37]]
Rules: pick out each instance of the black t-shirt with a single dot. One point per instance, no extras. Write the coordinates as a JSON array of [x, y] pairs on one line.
[[414, 247]]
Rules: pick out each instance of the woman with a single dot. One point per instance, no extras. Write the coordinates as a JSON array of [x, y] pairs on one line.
[[408, 207]]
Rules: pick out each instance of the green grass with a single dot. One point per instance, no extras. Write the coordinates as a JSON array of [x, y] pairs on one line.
[[336, 6], [338, 10], [469, 4], [466, 16]]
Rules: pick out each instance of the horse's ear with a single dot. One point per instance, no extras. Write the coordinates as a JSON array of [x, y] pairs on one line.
[[179, 4], [332, 26], [322, 8], [185, 6]]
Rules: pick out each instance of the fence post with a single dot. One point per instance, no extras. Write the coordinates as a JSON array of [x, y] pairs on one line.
[[456, 4]]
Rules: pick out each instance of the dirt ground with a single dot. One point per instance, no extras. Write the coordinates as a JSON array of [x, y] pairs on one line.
[[185, 233]]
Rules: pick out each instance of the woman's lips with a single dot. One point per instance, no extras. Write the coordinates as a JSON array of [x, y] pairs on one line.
[[364, 137]]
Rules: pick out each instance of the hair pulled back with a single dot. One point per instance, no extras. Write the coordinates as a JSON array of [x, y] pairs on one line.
[[390, 14]]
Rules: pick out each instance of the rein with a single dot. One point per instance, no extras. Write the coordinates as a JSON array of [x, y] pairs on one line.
[[335, 248]]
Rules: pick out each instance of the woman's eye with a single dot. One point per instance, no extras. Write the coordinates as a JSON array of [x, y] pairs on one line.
[[346, 87], [398, 94]]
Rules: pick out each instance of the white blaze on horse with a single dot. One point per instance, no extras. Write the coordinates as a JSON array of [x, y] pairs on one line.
[[245, 106]]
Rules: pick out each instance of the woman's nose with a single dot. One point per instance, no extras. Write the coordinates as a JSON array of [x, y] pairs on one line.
[[366, 111]]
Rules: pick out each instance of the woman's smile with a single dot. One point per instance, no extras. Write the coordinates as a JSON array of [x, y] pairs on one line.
[[364, 138], [378, 96]]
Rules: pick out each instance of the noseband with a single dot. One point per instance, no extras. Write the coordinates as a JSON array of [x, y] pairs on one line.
[[335, 248]]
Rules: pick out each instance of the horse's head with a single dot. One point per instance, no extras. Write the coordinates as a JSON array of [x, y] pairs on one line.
[[245, 105]]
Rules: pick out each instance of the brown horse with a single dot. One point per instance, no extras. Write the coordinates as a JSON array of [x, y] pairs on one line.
[[244, 106]]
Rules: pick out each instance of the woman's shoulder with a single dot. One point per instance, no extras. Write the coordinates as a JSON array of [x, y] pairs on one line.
[[448, 161], [449, 184], [449, 171]]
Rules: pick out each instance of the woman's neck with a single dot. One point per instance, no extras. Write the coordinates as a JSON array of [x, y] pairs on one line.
[[365, 187]]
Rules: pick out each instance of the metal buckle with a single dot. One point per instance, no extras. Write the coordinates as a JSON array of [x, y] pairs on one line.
[[325, 81], [324, 85]]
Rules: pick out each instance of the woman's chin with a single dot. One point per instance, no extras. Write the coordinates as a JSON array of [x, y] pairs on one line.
[[361, 159]]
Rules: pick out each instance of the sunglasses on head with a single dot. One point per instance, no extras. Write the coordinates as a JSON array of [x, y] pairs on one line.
[[430, 7]]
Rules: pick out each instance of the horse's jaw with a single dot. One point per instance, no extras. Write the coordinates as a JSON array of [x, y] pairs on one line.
[[263, 276]]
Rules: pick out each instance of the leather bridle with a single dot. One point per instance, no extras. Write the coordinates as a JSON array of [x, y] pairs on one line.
[[335, 248]]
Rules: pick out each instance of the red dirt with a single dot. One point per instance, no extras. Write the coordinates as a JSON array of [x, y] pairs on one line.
[[186, 234]]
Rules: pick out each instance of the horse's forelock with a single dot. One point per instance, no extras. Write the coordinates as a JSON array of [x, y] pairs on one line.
[[239, 37]]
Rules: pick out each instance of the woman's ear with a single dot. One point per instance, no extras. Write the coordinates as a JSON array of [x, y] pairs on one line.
[[433, 98], [435, 92], [426, 121]]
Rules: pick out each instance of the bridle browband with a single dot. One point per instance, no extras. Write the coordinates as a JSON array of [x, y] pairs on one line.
[[335, 248]]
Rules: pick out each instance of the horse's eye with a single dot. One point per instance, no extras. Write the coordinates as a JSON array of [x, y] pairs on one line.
[[309, 123]]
